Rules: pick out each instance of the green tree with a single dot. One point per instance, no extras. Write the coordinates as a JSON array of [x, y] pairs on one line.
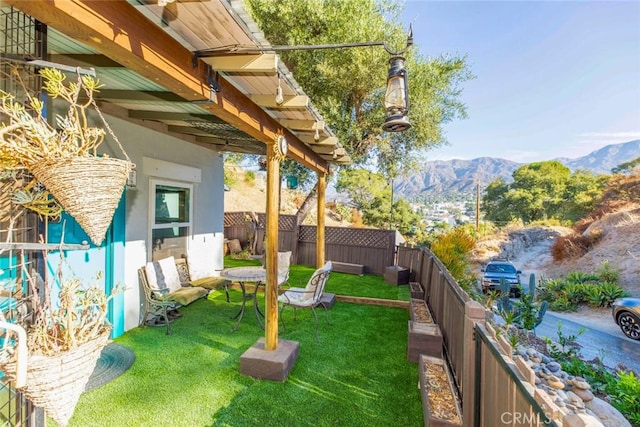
[[583, 190], [626, 167], [540, 191], [347, 86], [495, 203], [370, 193]]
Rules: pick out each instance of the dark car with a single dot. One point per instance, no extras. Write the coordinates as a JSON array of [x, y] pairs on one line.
[[626, 313], [496, 270]]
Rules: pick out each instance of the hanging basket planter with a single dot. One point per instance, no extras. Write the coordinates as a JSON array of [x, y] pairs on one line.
[[64, 157], [55, 383], [89, 188]]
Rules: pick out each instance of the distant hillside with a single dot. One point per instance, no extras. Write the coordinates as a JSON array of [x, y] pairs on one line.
[[457, 176], [606, 158], [460, 176]]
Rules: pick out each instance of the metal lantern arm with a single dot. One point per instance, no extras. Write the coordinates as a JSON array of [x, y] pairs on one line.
[[244, 49], [406, 48], [397, 94]]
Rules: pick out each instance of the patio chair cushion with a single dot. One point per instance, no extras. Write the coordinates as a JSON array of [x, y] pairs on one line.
[[297, 296], [284, 262], [201, 263], [163, 274], [210, 283], [187, 295], [307, 297], [183, 271]]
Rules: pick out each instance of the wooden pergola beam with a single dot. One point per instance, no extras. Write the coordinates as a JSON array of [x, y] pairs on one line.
[[84, 60], [120, 32], [244, 63], [323, 140], [289, 101], [170, 116]]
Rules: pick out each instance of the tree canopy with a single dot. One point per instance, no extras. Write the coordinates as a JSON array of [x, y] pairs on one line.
[[540, 191], [347, 85], [370, 193]]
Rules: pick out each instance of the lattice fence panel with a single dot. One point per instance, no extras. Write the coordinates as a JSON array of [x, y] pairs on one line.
[[358, 237], [234, 218], [231, 219]]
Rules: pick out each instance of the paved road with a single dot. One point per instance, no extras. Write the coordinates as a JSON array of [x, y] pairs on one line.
[[612, 349]]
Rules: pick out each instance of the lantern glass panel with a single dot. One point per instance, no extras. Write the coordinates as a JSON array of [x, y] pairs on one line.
[[395, 96]]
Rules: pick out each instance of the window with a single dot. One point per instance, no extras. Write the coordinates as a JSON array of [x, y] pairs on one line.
[[171, 218]]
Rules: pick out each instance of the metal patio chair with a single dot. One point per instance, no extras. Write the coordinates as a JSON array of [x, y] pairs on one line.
[[309, 296]]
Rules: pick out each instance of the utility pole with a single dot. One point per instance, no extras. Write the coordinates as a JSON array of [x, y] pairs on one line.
[[477, 207]]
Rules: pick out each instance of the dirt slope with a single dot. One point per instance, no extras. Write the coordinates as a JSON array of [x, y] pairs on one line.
[[250, 195], [530, 249]]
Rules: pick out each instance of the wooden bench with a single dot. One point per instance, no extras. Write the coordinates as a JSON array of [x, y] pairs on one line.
[[345, 267]]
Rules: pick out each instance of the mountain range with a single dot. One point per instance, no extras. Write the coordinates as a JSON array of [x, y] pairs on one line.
[[440, 177]]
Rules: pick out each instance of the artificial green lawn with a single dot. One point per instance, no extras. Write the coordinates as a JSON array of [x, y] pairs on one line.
[[357, 375]]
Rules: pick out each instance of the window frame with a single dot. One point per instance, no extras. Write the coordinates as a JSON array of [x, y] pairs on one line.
[[154, 183]]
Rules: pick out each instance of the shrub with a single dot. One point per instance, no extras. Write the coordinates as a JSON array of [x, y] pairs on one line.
[[566, 347], [594, 373], [604, 295], [562, 303], [229, 177], [250, 177], [551, 289], [625, 396], [576, 293], [582, 277], [607, 273], [453, 249]]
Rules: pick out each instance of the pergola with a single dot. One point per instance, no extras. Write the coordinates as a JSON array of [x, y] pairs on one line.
[[143, 51]]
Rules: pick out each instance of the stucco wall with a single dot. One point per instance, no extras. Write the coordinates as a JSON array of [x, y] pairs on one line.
[[208, 200], [142, 144]]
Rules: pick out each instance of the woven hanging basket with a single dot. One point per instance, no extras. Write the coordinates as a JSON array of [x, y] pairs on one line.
[[88, 188], [55, 383]]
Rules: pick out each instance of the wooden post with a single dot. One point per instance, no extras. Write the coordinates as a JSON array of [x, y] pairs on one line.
[[474, 313], [271, 253], [322, 188]]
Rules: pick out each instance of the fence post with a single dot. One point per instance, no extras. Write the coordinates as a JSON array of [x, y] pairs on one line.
[[474, 312]]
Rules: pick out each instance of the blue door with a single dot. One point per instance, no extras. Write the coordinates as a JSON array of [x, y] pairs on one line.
[[108, 259]]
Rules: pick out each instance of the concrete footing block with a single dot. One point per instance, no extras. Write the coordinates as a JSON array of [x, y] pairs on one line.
[[274, 365]]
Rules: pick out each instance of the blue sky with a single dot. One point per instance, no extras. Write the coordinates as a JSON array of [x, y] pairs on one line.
[[553, 78]]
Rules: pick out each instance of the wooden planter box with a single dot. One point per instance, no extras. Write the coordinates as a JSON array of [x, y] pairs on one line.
[[435, 390], [396, 275], [424, 338], [416, 290], [419, 311], [424, 335]]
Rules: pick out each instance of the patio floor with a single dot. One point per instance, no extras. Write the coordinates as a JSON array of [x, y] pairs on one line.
[[357, 375]]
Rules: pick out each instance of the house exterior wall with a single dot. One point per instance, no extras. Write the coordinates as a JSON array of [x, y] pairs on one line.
[[143, 146], [156, 155]]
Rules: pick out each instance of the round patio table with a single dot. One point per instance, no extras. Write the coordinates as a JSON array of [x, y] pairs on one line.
[[242, 275]]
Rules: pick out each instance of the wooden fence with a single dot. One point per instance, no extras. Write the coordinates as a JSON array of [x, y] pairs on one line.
[[373, 248], [492, 389]]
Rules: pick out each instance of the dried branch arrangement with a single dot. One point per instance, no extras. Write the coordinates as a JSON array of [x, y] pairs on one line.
[[80, 318], [28, 138]]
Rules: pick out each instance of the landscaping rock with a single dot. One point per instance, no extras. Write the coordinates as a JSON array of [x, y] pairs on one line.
[[609, 415], [572, 394]]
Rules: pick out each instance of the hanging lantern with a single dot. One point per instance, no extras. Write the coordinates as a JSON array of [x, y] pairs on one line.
[[396, 99]]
